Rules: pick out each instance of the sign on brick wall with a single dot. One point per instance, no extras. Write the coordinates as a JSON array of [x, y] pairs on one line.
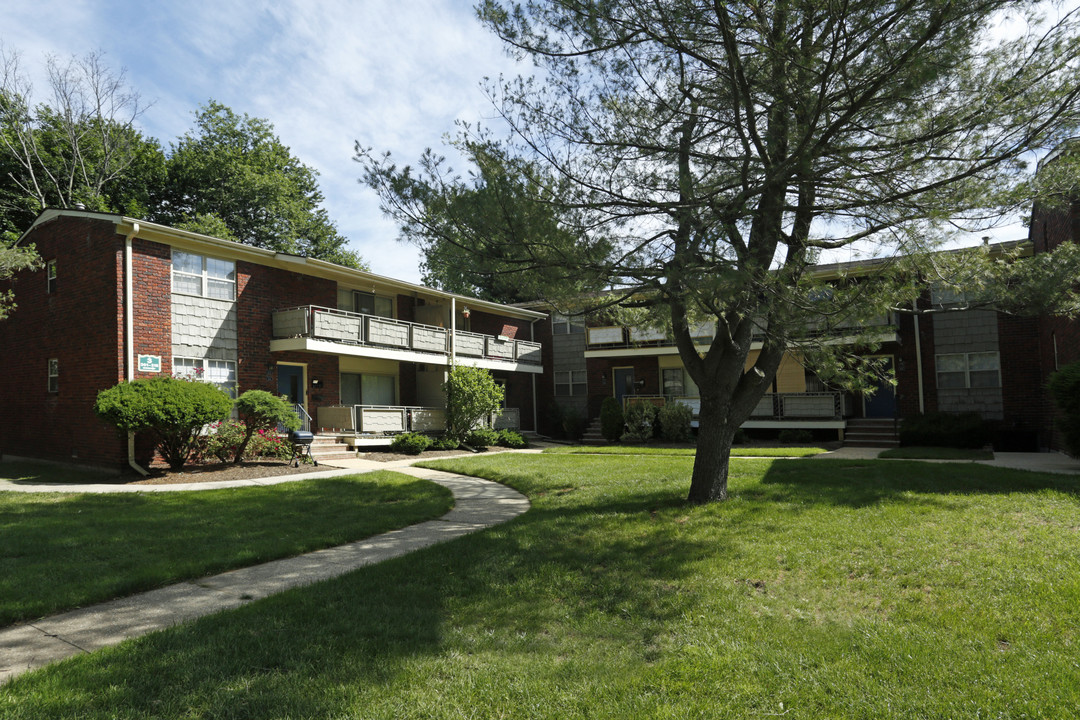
[[150, 363]]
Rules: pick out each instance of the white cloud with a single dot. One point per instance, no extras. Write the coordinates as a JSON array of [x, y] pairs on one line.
[[394, 76]]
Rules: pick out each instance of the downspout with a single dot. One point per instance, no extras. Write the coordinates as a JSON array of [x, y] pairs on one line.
[[918, 359], [453, 328], [129, 335], [535, 413]]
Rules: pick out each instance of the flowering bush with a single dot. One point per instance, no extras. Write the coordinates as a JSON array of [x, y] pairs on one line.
[[224, 440]]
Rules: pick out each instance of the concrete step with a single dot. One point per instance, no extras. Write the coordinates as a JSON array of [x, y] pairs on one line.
[[883, 444], [328, 456]]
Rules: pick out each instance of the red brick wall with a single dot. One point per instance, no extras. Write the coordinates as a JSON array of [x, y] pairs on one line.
[[151, 266], [600, 378], [261, 290], [81, 325], [489, 324]]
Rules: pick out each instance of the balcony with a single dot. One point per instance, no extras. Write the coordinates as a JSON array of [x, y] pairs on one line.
[[317, 329], [615, 340], [384, 421]]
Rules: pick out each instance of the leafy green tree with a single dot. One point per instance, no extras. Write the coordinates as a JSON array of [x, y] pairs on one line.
[[725, 145], [471, 395], [12, 260], [173, 411], [496, 234], [82, 149], [233, 167], [260, 411]]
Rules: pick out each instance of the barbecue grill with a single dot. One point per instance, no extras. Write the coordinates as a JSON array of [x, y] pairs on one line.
[[301, 442]]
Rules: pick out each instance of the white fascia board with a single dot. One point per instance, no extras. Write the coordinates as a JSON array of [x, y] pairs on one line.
[[295, 263], [325, 347], [508, 365], [648, 351]]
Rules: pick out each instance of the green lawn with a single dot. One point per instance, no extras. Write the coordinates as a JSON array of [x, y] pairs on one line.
[[848, 589], [736, 451], [936, 453], [59, 551]]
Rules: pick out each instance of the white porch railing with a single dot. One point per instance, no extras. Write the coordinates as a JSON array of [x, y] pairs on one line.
[[393, 419], [322, 323]]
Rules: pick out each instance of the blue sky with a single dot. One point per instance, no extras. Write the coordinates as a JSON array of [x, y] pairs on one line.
[[327, 73], [391, 75]]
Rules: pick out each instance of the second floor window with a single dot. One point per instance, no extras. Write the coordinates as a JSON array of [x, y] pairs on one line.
[[54, 375], [968, 370], [365, 303], [564, 325], [50, 276], [570, 382], [203, 276]]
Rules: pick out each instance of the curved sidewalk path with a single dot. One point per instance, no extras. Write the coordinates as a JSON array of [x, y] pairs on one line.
[[478, 504]]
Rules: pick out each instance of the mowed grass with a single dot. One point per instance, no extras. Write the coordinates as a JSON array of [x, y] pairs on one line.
[[821, 589], [736, 451], [60, 551]]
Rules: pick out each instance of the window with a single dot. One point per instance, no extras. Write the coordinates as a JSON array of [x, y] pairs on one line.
[[203, 276], [968, 370], [216, 372], [571, 382], [364, 389], [673, 382], [50, 276], [563, 325], [54, 375], [365, 303]]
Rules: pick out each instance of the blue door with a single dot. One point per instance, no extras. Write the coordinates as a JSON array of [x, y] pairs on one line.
[[290, 383], [882, 404], [624, 383]]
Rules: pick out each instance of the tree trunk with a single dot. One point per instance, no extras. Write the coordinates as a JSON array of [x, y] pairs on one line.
[[715, 435]]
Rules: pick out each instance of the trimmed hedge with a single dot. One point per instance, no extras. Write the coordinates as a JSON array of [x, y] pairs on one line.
[[611, 419], [410, 443], [940, 429]]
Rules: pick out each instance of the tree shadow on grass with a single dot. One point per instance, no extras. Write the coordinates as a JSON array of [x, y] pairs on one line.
[[610, 568], [860, 483]]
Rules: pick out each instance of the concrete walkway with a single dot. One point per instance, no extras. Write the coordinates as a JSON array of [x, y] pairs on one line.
[[477, 504]]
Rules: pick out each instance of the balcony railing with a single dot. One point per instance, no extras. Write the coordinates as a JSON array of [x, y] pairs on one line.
[[340, 326], [616, 337], [393, 419]]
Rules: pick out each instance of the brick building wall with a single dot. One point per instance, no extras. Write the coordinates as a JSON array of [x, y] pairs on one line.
[[81, 325], [259, 291]]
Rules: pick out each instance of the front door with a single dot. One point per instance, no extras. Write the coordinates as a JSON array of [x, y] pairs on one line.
[[882, 404], [624, 383], [290, 383]]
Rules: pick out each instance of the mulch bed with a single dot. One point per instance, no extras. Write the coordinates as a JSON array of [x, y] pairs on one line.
[[214, 472]]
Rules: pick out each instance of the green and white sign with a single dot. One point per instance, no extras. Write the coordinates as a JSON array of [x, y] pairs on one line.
[[150, 363]]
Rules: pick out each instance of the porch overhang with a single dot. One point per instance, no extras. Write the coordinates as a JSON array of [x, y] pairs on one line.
[[326, 347]]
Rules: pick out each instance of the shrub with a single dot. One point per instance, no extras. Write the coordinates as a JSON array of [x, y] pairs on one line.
[[482, 437], [675, 422], [639, 422], [261, 411], [471, 395], [940, 429], [740, 438], [612, 421], [511, 439], [410, 443], [173, 411], [1064, 388], [222, 441], [225, 442], [573, 424], [793, 435], [444, 443]]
